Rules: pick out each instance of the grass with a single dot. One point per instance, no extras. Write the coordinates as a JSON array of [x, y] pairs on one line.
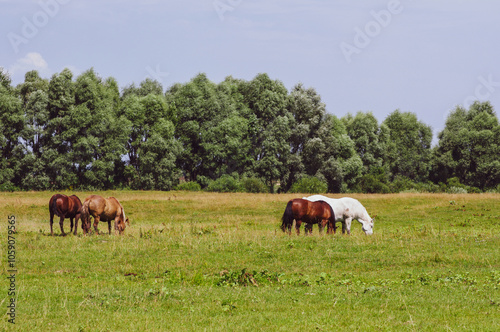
[[205, 261]]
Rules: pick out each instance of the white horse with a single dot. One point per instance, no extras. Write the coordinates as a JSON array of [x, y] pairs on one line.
[[346, 209]]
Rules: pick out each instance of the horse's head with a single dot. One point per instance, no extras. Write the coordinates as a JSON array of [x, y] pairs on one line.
[[86, 224], [368, 226], [120, 226]]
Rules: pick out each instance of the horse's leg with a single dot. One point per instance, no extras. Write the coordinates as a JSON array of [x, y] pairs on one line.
[[51, 222], [96, 222], [297, 226], [109, 226], [321, 226], [76, 222], [346, 226], [61, 223], [326, 222], [71, 224], [308, 228]]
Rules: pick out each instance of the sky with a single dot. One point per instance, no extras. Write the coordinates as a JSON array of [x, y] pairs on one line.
[[420, 56]]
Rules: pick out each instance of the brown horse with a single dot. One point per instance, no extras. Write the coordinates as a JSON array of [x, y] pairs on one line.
[[302, 210], [103, 209], [64, 207]]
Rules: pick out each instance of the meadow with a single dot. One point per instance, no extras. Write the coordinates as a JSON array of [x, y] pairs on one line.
[[194, 261]]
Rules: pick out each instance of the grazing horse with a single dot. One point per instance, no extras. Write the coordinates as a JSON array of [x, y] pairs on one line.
[[103, 209], [309, 212], [346, 209], [64, 207]]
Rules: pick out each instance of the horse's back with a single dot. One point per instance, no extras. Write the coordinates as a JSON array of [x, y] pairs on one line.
[[301, 207], [355, 208], [337, 205], [58, 204], [95, 205], [113, 207]]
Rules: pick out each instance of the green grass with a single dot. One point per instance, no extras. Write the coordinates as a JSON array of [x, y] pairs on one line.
[[203, 261]]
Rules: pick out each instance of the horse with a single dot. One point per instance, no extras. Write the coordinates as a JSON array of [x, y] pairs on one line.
[[64, 207], [103, 209], [346, 209], [309, 212]]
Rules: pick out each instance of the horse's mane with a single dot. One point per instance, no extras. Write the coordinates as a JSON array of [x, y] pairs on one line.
[[123, 213]]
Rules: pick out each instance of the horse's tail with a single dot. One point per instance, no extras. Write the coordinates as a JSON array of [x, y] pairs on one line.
[[332, 213], [287, 217], [53, 207], [85, 215]]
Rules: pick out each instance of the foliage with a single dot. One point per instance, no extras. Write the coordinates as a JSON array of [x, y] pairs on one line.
[[81, 132], [254, 185], [225, 184], [409, 149], [310, 185], [374, 182], [469, 147], [188, 186]]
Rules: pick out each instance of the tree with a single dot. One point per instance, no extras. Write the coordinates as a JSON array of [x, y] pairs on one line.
[[308, 113], [370, 139], [270, 127], [212, 126], [12, 124], [34, 96], [99, 133], [409, 150], [469, 147], [152, 148]]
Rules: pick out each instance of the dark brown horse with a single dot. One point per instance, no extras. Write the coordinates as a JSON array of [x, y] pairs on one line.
[[103, 209], [64, 207], [302, 210]]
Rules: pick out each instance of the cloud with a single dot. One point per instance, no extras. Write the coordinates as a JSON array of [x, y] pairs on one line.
[[32, 61]]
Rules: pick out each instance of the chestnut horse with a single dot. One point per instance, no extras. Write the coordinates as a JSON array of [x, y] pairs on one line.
[[103, 209], [309, 212], [64, 207]]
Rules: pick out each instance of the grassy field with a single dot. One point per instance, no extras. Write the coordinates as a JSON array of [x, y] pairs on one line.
[[204, 261]]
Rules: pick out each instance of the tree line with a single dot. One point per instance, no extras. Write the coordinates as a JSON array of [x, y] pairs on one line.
[[237, 135]]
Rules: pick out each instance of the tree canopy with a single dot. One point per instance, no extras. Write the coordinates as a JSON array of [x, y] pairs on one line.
[[83, 132]]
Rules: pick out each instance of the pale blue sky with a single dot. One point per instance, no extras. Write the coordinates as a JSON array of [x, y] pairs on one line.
[[425, 57]]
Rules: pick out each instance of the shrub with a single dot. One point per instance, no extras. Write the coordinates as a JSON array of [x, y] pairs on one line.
[[225, 184], [370, 184], [254, 185], [8, 186], [401, 184], [309, 185], [455, 187], [188, 186], [456, 190]]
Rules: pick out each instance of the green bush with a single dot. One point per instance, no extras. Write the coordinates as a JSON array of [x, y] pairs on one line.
[[309, 185], [225, 184], [254, 185], [371, 184], [189, 186], [8, 186], [455, 187]]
